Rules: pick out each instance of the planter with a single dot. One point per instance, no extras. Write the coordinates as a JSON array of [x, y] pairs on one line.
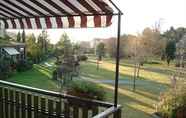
[[181, 112], [79, 103], [159, 115], [81, 95]]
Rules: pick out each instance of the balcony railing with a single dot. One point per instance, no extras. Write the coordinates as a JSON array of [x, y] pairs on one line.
[[18, 101]]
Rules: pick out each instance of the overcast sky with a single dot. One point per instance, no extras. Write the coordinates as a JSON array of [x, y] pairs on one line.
[[138, 14]]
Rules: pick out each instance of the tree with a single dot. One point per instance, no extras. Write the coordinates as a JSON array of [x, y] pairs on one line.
[[33, 50], [19, 37], [23, 37], [65, 46], [170, 51], [43, 42], [76, 49], [100, 50], [175, 34], [110, 45]]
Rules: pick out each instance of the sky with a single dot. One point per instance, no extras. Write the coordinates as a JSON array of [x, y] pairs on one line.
[[138, 14]]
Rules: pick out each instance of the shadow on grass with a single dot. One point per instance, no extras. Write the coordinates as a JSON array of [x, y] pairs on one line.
[[151, 69], [146, 89], [91, 70], [132, 108]]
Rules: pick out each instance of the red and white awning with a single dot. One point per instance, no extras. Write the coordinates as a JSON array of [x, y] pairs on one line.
[[46, 14]]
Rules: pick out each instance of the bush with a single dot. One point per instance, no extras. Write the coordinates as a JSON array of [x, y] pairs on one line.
[[5, 68], [172, 101], [83, 58], [152, 62], [23, 65], [86, 90]]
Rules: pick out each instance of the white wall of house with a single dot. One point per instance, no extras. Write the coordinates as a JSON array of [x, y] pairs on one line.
[[2, 31]]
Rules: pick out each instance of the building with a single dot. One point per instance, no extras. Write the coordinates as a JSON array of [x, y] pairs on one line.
[[181, 52], [13, 50]]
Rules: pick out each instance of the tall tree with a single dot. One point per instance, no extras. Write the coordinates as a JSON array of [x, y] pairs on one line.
[[43, 41], [65, 46], [170, 51], [175, 34], [33, 50], [23, 36], [100, 50], [19, 37]]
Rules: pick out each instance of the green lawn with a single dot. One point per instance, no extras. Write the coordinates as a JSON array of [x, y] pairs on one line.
[[150, 84], [39, 76], [153, 80]]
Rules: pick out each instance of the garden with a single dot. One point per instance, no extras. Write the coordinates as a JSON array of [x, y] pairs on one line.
[[145, 85]]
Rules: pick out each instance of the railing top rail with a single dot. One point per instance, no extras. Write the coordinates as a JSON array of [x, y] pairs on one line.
[[108, 112], [53, 94]]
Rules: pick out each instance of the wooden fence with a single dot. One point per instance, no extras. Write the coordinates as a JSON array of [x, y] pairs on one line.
[[18, 101]]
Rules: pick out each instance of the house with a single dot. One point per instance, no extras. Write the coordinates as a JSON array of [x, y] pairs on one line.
[[13, 50], [181, 52]]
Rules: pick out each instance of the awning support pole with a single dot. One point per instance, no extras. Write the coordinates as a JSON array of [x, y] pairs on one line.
[[117, 60]]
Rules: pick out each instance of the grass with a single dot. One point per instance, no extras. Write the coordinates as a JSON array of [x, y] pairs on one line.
[[39, 76], [135, 104], [153, 80]]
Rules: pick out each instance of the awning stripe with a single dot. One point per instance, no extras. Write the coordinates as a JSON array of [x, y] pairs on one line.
[[58, 22], [29, 25], [37, 20], [93, 5], [11, 7], [30, 7], [44, 7], [71, 22], [18, 25], [13, 24], [21, 24], [4, 14], [20, 8], [109, 20], [83, 21], [54, 5], [48, 22], [6, 8], [70, 6], [102, 5], [79, 5], [41, 14], [7, 12], [24, 7], [97, 21], [36, 7], [87, 6]]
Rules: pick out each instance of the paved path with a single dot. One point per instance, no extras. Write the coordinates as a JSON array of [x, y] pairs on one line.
[[121, 81]]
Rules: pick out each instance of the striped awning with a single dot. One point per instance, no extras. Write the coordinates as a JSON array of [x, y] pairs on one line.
[[46, 14]]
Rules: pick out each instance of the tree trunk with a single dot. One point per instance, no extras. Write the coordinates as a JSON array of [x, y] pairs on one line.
[[138, 70], [168, 62], [134, 82]]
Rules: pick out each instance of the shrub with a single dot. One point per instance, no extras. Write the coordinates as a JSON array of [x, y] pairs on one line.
[[85, 89], [23, 65], [5, 68], [172, 101], [54, 75], [83, 58]]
